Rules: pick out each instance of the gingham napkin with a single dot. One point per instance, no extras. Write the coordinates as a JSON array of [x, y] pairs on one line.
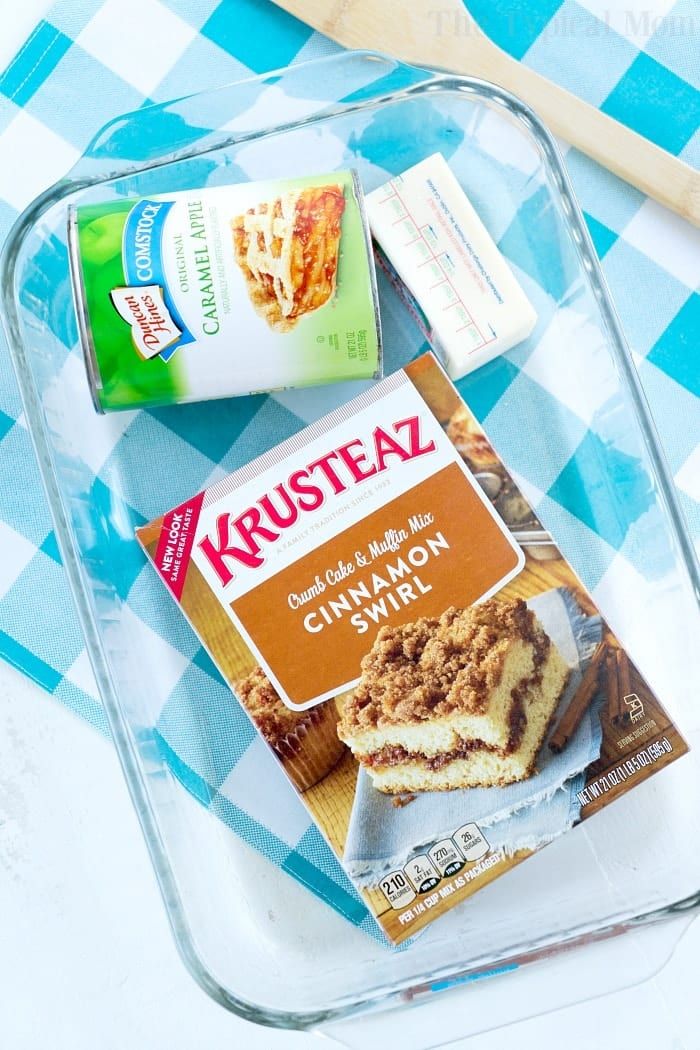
[[81, 67]]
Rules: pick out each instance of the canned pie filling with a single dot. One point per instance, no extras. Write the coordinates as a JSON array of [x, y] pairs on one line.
[[218, 292]]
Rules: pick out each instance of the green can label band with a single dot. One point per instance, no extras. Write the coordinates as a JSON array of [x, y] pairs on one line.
[[225, 291]]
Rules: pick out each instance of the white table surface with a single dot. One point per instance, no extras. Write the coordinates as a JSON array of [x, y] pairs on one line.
[[86, 957]]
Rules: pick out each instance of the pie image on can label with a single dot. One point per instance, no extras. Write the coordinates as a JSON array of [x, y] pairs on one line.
[[288, 248], [222, 291]]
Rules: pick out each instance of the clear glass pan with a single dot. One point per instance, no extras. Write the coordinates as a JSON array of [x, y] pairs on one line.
[[254, 939]]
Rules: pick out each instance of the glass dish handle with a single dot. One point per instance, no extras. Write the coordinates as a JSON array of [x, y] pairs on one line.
[[559, 978]]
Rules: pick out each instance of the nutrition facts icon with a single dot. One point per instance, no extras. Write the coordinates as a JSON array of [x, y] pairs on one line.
[[397, 889], [422, 874], [471, 841], [446, 857]]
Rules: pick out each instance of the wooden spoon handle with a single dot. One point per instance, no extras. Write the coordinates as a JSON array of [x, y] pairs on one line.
[[448, 38], [624, 152]]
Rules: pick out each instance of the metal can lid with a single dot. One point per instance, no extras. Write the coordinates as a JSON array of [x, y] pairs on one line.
[[81, 312]]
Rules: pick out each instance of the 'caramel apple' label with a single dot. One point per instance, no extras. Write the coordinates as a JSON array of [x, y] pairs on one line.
[[220, 291]]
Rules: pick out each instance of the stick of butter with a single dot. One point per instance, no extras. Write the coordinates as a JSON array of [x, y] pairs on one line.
[[444, 263]]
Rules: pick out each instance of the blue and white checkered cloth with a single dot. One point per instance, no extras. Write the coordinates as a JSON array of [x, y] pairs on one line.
[[81, 67]]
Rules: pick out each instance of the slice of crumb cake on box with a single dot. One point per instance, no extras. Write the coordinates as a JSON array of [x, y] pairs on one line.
[[456, 701]]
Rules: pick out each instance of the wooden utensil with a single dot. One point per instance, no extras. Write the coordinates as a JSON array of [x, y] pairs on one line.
[[443, 35]]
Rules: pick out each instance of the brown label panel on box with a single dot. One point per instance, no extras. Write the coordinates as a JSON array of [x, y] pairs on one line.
[[450, 550]]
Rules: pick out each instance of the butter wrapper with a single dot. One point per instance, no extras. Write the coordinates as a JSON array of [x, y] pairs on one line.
[[446, 266]]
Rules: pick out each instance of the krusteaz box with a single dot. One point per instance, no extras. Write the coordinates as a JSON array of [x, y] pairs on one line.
[[444, 702]]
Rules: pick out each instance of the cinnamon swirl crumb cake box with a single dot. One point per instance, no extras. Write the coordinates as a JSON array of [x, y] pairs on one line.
[[425, 684]]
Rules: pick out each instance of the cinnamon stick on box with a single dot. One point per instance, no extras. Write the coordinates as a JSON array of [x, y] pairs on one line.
[[616, 707], [571, 719], [624, 687]]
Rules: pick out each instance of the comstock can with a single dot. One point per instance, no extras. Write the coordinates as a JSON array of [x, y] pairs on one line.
[[223, 291]]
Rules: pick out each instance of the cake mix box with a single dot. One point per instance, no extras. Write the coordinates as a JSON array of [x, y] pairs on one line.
[[406, 636]]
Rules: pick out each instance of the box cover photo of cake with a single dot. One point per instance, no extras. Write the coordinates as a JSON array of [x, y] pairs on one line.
[[407, 638]]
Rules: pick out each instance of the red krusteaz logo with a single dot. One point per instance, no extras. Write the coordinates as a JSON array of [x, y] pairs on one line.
[[241, 539]]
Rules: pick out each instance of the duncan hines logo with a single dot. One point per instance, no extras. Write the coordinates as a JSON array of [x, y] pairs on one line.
[[242, 539], [153, 329]]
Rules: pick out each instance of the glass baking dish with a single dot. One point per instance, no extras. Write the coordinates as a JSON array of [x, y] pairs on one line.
[[255, 940]]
